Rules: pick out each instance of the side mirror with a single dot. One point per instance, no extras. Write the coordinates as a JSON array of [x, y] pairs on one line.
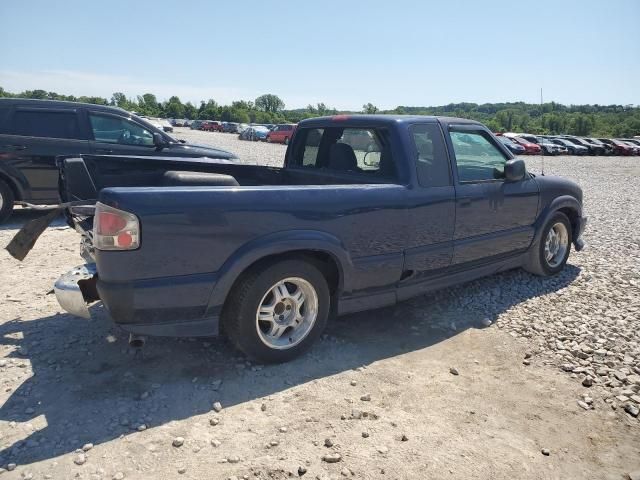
[[158, 140], [514, 170]]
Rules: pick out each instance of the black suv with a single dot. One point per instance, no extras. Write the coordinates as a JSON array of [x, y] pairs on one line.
[[34, 132]]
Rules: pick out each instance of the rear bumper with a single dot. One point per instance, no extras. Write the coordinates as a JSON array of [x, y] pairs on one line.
[[175, 306]]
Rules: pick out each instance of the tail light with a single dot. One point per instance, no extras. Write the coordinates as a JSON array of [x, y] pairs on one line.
[[115, 229]]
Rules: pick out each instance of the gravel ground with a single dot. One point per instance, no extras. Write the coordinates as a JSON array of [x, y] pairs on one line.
[[511, 376], [261, 153]]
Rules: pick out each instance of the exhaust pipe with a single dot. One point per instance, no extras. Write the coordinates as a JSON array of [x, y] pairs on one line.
[[137, 341]]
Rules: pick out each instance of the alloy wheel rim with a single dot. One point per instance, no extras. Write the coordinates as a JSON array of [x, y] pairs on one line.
[[287, 313], [556, 244]]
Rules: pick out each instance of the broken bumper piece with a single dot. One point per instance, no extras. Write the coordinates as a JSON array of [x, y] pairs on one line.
[[76, 290]]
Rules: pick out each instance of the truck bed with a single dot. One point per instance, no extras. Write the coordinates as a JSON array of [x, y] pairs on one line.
[[86, 175]]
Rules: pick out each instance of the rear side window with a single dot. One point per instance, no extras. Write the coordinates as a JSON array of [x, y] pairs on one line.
[[45, 123], [432, 164], [364, 151]]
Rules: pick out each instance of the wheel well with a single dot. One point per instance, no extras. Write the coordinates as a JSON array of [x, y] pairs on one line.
[[12, 186], [324, 261], [572, 215]]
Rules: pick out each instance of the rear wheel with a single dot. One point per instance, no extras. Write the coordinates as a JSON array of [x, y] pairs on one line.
[[276, 311], [552, 252], [6, 201]]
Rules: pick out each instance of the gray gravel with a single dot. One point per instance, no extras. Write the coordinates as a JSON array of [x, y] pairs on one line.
[[257, 153]]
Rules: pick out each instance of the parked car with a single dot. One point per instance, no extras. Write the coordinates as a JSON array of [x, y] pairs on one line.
[[530, 148], [281, 133], [572, 148], [34, 132], [270, 253], [230, 127], [242, 127], [605, 149], [166, 125], [591, 149], [514, 147], [211, 126], [179, 122], [548, 147], [619, 148], [256, 133], [196, 124], [634, 144]]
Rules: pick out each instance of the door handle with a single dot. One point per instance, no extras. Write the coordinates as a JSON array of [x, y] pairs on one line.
[[464, 202]]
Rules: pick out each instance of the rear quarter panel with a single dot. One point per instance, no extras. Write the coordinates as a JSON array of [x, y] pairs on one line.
[[196, 230]]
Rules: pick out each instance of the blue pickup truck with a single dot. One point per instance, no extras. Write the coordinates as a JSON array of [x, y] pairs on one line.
[[368, 210]]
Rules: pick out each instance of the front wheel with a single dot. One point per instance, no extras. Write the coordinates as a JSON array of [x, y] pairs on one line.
[[277, 311], [550, 255], [6, 201]]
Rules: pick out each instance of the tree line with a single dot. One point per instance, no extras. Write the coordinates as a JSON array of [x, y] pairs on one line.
[[547, 118]]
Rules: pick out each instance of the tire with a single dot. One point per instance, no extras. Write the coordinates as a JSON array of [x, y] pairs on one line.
[[254, 294], [539, 262], [286, 140], [6, 201]]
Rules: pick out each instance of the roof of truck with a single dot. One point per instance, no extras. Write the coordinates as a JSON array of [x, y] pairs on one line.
[[381, 119]]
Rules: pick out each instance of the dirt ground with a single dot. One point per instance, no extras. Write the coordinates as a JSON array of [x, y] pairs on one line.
[[377, 393]]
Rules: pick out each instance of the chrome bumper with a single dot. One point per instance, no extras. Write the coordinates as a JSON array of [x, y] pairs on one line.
[[69, 293]]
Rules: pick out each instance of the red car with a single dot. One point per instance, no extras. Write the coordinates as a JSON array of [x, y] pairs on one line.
[[619, 148], [211, 126], [281, 133], [529, 148]]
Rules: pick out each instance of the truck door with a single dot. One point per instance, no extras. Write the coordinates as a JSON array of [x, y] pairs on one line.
[[431, 207], [494, 218]]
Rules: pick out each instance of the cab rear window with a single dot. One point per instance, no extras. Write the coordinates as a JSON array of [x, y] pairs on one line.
[[362, 151]]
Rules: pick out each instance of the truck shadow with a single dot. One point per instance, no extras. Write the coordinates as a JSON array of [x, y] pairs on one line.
[[90, 387]]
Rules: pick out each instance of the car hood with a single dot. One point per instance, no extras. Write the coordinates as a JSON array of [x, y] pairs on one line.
[[192, 150]]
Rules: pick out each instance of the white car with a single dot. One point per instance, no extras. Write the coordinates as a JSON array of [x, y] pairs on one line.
[[160, 123]]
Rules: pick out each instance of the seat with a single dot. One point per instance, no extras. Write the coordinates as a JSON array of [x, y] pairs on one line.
[[197, 179], [342, 157]]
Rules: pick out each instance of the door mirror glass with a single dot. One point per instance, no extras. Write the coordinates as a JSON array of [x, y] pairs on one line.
[[514, 170], [371, 159]]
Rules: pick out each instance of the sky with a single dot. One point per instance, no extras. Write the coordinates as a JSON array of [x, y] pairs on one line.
[[344, 53]]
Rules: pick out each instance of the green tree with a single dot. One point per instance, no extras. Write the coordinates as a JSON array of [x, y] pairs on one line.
[[369, 108], [174, 108], [209, 110], [190, 111], [269, 103]]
